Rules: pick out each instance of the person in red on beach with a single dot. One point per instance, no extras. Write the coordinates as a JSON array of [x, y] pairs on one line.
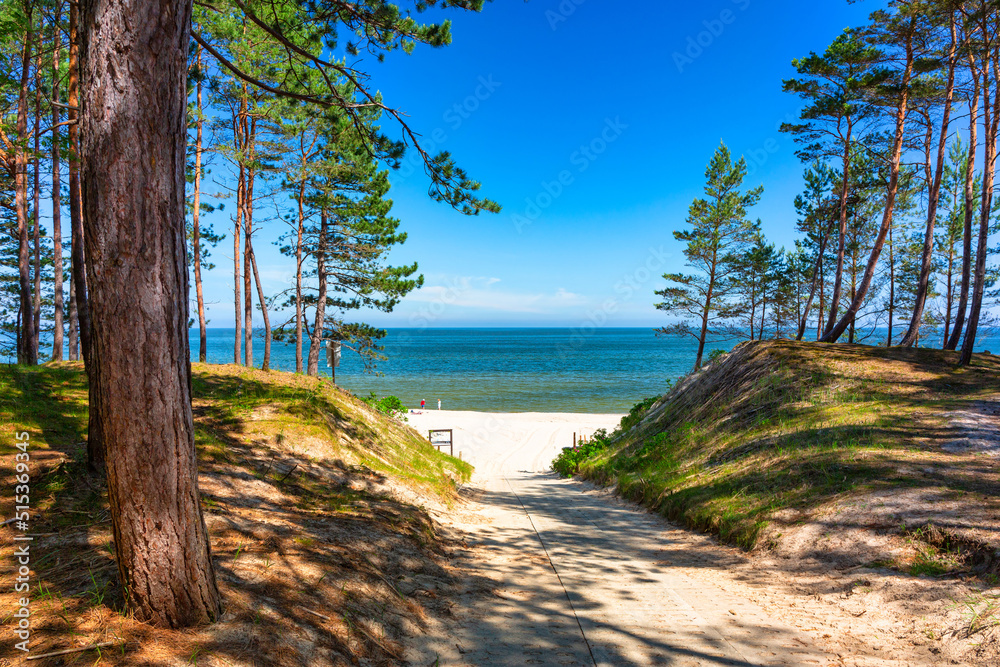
[[422, 403]]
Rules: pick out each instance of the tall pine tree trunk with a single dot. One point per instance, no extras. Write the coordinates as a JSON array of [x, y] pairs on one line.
[[27, 328], [95, 443], [57, 250], [266, 365], [36, 201], [970, 208], [822, 299], [892, 288], [73, 340], [833, 334], [134, 137], [247, 276], [841, 229], [316, 339], [75, 203], [237, 230], [298, 279], [195, 218], [991, 123], [933, 195]]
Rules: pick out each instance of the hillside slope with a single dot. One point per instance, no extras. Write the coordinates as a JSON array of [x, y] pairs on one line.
[[316, 505], [844, 453]]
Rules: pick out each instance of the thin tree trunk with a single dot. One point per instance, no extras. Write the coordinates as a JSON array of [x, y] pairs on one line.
[[195, 230], [134, 108], [95, 442], [923, 282], [247, 175], [834, 333], [822, 299], [316, 339], [75, 203], [892, 287], [705, 312], [970, 207], [266, 365], [57, 250], [247, 277], [74, 326], [298, 280], [817, 272], [949, 294], [36, 201], [21, 205], [841, 230], [991, 119], [237, 290]]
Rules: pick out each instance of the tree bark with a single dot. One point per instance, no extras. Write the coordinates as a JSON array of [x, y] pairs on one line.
[[27, 328], [706, 311], [95, 443], [75, 203], [970, 207], [991, 122], [57, 250], [247, 277], [237, 230], [134, 138], [36, 201], [74, 326], [316, 339], [298, 279], [195, 230], [892, 287], [266, 365]]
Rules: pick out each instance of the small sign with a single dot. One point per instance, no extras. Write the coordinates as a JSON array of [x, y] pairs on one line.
[[332, 354]]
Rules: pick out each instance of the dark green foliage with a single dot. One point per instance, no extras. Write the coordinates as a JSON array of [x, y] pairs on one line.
[[568, 462], [387, 405]]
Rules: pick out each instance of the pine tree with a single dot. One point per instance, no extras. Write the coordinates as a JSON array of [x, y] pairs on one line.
[[719, 231], [835, 86]]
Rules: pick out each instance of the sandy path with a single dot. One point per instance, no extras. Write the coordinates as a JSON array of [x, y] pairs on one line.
[[556, 575]]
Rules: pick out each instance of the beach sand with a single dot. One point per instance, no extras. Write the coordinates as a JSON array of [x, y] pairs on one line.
[[499, 443]]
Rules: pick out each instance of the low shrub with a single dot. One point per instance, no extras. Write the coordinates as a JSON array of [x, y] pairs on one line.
[[387, 405]]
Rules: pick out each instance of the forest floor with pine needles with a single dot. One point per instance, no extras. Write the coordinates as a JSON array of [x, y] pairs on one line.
[[319, 511]]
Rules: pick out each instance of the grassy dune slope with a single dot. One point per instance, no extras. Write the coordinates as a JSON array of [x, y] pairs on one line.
[[777, 435], [313, 501]]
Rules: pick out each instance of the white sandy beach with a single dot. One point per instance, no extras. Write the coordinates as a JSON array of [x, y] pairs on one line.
[[499, 443]]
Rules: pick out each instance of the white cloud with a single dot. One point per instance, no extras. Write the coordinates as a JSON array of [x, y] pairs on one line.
[[482, 293]]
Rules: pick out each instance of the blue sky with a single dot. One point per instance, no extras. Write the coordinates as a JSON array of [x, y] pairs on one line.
[[591, 122]]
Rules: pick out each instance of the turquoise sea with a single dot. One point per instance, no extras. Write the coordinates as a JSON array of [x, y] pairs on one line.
[[603, 370], [501, 370]]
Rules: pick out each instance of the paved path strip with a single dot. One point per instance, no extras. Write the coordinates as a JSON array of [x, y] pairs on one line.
[[559, 576]]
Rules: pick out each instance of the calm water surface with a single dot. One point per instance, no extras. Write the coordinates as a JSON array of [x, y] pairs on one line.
[[508, 370], [502, 370]]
